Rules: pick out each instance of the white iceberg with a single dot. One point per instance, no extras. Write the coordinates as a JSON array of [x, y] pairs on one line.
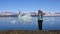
[[24, 18], [13, 21]]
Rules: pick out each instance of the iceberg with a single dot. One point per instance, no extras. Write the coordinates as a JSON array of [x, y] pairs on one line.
[[24, 18], [13, 21]]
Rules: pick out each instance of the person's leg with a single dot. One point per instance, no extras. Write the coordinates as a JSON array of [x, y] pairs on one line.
[[40, 24]]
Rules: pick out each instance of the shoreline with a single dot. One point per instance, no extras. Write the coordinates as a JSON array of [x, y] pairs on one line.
[[8, 15], [29, 32], [31, 15]]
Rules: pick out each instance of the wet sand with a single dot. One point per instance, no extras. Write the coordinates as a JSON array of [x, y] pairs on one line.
[[28, 32]]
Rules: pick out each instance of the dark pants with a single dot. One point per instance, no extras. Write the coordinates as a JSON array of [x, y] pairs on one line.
[[40, 24]]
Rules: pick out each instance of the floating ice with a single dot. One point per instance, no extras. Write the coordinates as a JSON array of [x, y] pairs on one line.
[[13, 21]]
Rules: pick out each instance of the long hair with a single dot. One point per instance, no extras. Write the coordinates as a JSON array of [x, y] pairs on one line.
[[39, 11]]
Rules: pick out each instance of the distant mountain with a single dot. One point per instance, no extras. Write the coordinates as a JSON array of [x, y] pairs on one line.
[[8, 13], [32, 13]]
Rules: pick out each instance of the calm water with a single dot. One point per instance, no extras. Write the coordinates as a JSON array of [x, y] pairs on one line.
[[12, 23]]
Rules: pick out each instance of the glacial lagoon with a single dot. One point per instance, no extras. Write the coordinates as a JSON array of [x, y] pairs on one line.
[[12, 23]]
